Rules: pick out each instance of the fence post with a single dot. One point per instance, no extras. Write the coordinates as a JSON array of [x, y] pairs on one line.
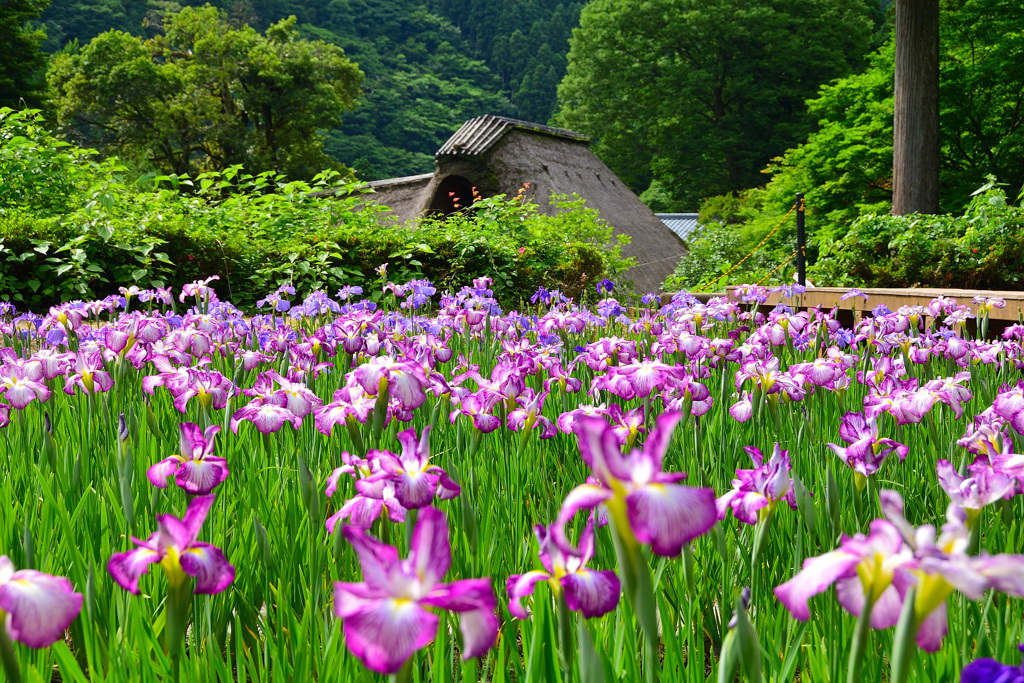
[[801, 241]]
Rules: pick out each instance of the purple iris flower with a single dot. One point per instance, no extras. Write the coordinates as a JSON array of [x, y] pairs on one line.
[[594, 593], [990, 671], [402, 379], [267, 417], [477, 407], [756, 492], [567, 422], [647, 504], [19, 388], [363, 509], [852, 293], [416, 481], [195, 468], [39, 607], [866, 451], [527, 415], [175, 546], [942, 566], [89, 375], [863, 569], [348, 291], [387, 617], [1009, 405], [605, 285], [982, 487]]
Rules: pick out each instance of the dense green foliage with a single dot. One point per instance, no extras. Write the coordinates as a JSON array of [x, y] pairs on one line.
[[701, 95], [845, 167], [205, 96], [20, 58], [75, 227], [524, 42], [981, 249], [429, 64]]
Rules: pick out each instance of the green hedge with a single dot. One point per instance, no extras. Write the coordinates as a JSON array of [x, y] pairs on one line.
[[72, 226], [982, 249]]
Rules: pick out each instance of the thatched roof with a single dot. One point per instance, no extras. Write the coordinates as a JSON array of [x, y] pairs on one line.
[[497, 155]]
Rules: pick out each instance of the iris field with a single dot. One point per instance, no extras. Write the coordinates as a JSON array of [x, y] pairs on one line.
[[424, 487]]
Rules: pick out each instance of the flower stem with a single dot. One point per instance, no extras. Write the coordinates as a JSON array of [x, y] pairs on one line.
[[7, 656], [565, 628], [860, 639], [904, 644]]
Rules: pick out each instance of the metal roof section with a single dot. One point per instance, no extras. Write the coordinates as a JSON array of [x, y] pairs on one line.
[[478, 135], [682, 224]]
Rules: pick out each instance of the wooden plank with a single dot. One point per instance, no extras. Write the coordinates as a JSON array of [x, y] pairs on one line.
[[828, 297]]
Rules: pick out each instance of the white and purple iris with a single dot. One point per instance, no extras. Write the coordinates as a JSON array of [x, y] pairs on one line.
[[591, 592], [195, 468], [389, 615], [175, 546], [35, 608], [646, 504]]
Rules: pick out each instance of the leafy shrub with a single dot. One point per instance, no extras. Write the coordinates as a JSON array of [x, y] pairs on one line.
[[981, 249], [72, 226]]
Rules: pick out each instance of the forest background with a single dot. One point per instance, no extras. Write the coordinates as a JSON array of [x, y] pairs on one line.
[[728, 106]]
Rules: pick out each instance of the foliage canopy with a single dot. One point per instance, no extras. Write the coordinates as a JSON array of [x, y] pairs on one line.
[[204, 95], [700, 95]]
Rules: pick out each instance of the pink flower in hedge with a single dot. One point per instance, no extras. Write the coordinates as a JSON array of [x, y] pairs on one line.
[[646, 503], [175, 546], [388, 616], [195, 468], [594, 593], [416, 481], [759, 489], [35, 608], [19, 389]]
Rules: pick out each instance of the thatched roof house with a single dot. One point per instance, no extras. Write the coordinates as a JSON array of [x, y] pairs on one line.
[[498, 155]]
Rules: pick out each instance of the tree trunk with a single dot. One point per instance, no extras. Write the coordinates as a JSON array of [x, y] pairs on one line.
[[915, 159]]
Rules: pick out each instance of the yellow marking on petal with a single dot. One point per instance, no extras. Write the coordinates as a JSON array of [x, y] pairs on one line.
[[171, 565], [932, 592]]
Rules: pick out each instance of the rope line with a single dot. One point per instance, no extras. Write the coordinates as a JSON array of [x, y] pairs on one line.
[[774, 270], [754, 250]]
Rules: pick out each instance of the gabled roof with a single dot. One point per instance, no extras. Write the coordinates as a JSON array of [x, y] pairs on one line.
[[478, 135], [682, 224]]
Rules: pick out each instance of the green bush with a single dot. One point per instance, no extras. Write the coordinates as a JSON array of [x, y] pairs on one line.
[[982, 249], [72, 226]]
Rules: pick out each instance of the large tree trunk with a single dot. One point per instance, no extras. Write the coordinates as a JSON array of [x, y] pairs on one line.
[[915, 159]]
